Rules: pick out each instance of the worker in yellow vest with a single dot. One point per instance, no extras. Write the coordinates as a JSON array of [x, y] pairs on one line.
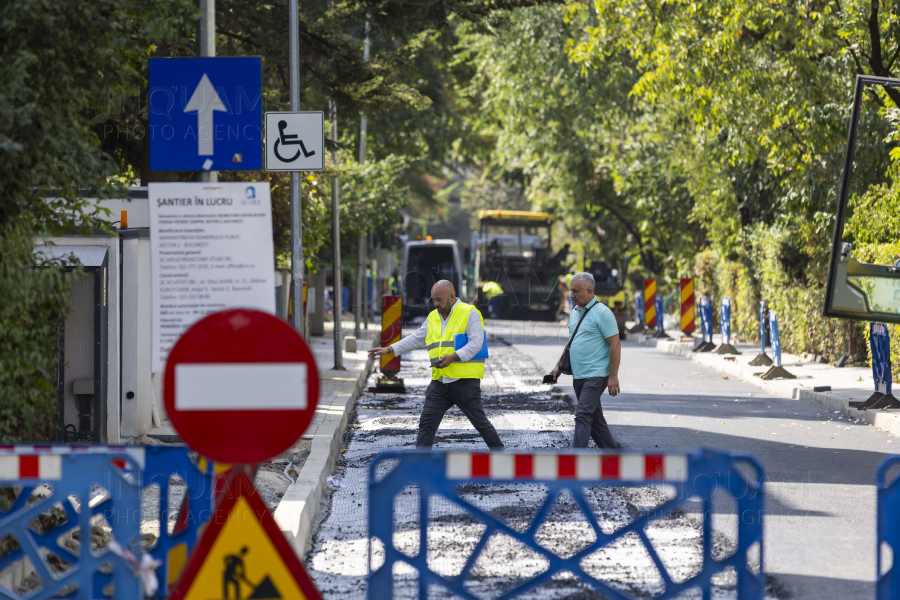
[[455, 377]]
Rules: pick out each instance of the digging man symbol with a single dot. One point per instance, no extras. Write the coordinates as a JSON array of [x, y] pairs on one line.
[[234, 573], [455, 375]]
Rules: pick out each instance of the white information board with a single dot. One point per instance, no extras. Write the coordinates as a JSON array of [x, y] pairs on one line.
[[210, 249]]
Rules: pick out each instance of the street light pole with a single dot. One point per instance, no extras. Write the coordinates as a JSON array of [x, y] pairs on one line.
[[336, 243], [297, 262], [206, 47]]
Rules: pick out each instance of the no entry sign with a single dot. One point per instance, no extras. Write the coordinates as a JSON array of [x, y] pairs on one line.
[[240, 386]]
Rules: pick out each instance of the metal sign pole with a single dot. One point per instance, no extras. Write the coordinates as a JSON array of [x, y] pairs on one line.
[[362, 283], [206, 47], [296, 206], [336, 243]]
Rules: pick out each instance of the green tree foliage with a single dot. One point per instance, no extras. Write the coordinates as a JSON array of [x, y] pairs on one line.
[[57, 64], [708, 137]]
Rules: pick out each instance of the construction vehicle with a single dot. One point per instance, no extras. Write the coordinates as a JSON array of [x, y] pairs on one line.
[[425, 263], [514, 249]]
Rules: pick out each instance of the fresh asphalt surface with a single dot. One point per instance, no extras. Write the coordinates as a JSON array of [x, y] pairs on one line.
[[820, 470]]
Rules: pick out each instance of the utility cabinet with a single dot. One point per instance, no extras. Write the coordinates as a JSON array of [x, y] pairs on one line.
[[82, 370]]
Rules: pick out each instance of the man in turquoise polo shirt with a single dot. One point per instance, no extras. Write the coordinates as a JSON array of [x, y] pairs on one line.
[[594, 355]]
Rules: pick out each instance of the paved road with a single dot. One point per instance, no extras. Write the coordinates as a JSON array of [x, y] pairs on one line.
[[820, 469], [821, 501]]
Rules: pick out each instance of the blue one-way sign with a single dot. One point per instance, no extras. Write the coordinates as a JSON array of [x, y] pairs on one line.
[[205, 114]]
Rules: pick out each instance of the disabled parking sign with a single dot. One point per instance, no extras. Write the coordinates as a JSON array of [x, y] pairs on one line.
[[295, 141], [205, 114]]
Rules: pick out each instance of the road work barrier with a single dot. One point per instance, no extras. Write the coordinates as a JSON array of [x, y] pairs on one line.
[[687, 306], [880, 346], [638, 313], [465, 477], [725, 328], [887, 547], [391, 331], [706, 328], [650, 303], [762, 359], [46, 516], [660, 317], [776, 371]]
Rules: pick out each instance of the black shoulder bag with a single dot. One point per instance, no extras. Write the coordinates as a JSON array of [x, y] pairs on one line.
[[565, 365]]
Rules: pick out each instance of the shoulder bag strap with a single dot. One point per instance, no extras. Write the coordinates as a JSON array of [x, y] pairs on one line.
[[583, 315]]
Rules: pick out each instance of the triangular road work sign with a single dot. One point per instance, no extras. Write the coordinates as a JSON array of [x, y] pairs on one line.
[[243, 554]]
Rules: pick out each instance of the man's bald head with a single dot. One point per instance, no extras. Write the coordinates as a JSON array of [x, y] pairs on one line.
[[443, 294], [443, 286]]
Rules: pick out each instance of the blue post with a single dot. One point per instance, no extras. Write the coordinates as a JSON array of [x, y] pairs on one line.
[[659, 313], [725, 320], [776, 341], [706, 319], [880, 342], [762, 327], [638, 308]]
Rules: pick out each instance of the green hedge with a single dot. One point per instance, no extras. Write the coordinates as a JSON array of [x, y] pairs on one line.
[[32, 296]]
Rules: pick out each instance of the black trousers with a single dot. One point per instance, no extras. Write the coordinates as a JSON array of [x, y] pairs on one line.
[[464, 393], [589, 420]]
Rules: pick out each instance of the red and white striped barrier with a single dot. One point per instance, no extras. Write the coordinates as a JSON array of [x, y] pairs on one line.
[[44, 461], [40, 467], [586, 467]]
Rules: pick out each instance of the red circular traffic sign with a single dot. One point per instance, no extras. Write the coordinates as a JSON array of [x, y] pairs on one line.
[[240, 386]]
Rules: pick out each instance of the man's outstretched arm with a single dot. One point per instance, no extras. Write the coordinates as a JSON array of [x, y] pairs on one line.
[[407, 344]]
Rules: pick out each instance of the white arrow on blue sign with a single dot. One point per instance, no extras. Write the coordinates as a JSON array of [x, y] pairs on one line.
[[205, 114]]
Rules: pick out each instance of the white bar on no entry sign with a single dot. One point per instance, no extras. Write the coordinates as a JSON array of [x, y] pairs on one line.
[[240, 386]]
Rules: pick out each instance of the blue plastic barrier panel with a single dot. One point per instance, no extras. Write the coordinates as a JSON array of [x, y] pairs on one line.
[[762, 327], [448, 493], [776, 341], [638, 308], [880, 344], [705, 318], [725, 320], [118, 480], [887, 586], [660, 317]]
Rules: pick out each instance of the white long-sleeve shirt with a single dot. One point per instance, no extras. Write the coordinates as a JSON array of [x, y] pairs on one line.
[[474, 331]]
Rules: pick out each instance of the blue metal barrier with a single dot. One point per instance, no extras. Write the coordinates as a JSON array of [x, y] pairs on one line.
[[64, 482], [887, 586], [697, 474], [66, 475]]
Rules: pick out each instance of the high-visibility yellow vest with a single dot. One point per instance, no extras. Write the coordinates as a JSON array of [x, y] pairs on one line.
[[491, 289], [440, 345]]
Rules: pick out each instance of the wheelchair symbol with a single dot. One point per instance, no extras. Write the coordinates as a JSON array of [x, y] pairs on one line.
[[285, 139]]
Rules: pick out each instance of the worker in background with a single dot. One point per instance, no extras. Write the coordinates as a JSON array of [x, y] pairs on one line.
[[455, 376], [494, 294]]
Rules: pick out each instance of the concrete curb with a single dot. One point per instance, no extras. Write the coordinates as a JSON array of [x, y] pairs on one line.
[[796, 389], [296, 513]]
